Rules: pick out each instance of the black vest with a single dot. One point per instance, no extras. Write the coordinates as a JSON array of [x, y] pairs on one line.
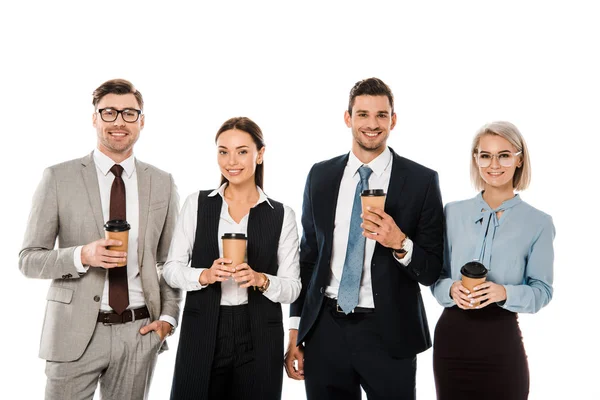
[[198, 332]]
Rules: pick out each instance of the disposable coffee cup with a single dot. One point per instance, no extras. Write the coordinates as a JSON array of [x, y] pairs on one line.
[[374, 198], [473, 273], [117, 229], [234, 247]]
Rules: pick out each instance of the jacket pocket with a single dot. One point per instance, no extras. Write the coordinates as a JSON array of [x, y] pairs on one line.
[[60, 294]]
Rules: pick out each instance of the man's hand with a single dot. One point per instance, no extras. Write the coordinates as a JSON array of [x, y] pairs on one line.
[[294, 353], [162, 328], [381, 227], [96, 254]]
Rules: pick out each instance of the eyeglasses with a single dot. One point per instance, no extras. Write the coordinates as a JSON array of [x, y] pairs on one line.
[[505, 159], [111, 114]]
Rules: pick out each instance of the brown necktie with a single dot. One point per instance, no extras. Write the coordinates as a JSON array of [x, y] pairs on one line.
[[118, 291]]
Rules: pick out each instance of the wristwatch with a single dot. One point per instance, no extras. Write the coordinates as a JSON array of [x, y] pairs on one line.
[[265, 285], [172, 331], [401, 251]]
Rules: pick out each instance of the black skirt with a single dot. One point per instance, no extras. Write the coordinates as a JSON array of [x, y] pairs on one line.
[[479, 354]]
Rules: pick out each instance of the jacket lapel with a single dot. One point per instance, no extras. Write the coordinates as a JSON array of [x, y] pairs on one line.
[[90, 178], [397, 179], [327, 197], [144, 182]]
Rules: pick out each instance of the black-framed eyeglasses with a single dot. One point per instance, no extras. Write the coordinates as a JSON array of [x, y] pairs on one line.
[[111, 114]]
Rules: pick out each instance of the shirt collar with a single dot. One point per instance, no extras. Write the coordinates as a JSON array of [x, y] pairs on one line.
[[484, 207], [261, 195], [105, 163], [379, 165]]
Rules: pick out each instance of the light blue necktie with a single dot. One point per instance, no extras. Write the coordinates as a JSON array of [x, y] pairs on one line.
[[355, 253]]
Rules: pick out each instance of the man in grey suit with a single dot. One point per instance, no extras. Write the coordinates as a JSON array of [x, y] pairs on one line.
[[84, 340]]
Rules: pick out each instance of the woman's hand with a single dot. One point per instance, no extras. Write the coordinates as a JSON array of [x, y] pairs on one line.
[[488, 293], [249, 277], [218, 272], [461, 296]]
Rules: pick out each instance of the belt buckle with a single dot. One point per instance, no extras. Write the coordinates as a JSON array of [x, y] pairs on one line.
[[106, 319], [338, 309], [121, 317]]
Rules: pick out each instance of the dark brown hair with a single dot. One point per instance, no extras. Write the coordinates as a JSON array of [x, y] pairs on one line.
[[116, 86], [250, 127], [370, 87]]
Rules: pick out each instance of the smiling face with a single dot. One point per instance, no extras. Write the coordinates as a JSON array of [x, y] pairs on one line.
[[116, 139], [371, 122], [238, 156], [496, 175]]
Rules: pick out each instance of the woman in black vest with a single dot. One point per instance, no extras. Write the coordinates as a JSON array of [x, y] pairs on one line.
[[231, 340]]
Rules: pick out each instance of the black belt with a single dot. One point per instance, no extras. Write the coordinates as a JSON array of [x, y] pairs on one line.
[[127, 316], [357, 310]]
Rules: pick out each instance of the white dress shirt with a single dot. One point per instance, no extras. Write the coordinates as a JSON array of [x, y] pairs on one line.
[[105, 180], [379, 179], [284, 287]]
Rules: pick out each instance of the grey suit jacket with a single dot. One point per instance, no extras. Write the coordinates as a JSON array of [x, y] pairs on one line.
[[67, 206]]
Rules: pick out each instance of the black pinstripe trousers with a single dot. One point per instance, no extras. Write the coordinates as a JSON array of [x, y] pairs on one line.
[[232, 373]]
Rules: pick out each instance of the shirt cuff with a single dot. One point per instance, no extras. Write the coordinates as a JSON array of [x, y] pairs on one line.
[[510, 295], [169, 319], [408, 246], [274, 290], [294, 322], [442, 292], [77, 261], [195, 273]]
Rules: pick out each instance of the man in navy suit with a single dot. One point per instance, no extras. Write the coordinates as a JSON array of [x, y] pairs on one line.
[[360, 319]]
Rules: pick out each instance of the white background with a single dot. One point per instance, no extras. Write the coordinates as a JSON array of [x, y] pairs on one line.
[[452, 66]]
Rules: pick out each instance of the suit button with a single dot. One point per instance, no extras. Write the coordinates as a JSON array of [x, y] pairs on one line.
[[96, 298]]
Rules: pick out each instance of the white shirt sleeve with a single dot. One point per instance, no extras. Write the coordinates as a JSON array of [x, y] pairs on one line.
[[169, 319], [285, 287], [77, 261], [408, 246], [177, 271], [294, 323]]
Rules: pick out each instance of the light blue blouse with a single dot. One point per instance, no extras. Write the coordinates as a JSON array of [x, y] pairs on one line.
[[515, 248]]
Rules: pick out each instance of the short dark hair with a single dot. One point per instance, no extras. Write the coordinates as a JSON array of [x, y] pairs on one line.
[[250, 127], [370, 87], [116, 86]]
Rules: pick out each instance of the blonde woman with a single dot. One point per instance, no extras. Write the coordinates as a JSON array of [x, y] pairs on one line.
[[478, 348]]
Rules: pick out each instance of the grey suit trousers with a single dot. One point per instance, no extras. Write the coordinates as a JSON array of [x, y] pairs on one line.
[[118, 357]]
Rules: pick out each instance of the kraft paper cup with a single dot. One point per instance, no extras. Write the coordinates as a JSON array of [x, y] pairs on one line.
[[118, 230], [234, 247], [372, 198], [473, 273]]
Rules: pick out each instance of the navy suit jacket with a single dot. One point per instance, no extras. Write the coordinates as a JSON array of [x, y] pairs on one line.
[[414, 202]]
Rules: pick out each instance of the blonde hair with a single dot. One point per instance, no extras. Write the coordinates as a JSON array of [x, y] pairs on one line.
[[509, 132]]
